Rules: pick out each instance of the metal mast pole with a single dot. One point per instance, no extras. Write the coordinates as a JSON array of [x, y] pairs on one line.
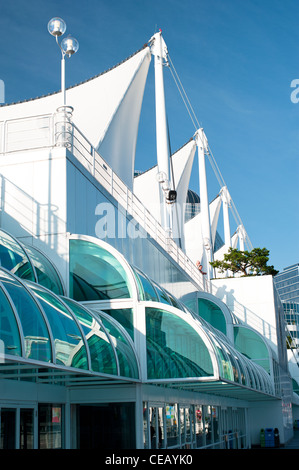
[[159, 51], [202, 146]]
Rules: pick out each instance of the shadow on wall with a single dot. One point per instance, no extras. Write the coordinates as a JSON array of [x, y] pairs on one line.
[[24, 217], [32, 222], [245, 315]]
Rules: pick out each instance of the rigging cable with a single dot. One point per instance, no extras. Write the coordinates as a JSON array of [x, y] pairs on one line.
[[210, 155]]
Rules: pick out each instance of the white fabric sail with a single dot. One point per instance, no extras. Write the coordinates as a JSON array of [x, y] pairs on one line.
[[106, 110], [214, 207], [146, 186]]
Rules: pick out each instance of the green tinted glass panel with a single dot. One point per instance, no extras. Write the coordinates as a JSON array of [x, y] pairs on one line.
[[95, 274], [101, 351], [45, 271], [249, 343], [226, 369], [212, 314], [9, 332], [69, 346], [174, 348], [35, 331], [14, 259], [175, 302], [124, 316], [126, 356], [163, 298], [147, 291]]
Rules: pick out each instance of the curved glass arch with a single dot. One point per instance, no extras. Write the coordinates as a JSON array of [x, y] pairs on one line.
[[212, 314], [231, 367], [124, 316], [226, 370], [128, 366], [180, 343], [147, 290], [14, 258], [252, 345], [9, 331], [102, 356], [46, 274], [34, 328], [68, 341], [96, 274]]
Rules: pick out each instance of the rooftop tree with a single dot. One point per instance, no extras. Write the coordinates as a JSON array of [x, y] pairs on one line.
[[248, 263]]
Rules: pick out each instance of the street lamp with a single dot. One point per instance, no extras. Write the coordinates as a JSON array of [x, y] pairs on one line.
[[68, 46]]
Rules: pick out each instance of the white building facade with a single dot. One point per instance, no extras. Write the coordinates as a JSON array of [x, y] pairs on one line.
[[111, 337]]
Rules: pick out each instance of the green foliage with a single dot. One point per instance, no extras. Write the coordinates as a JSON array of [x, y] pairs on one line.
[[248, 263]]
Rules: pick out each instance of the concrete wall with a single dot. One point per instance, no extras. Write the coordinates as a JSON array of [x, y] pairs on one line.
[[268, 414]]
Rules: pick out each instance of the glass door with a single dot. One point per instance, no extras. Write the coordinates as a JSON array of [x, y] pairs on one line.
[[8, 428], [26, 428]]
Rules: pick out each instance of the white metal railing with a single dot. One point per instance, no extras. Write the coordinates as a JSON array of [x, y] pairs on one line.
[[91, 160], [56, 129]]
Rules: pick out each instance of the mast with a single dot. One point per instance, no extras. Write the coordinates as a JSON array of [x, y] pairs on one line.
[[159, 51]]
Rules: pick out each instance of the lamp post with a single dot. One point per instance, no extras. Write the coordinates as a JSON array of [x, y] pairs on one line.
[[68, 46]]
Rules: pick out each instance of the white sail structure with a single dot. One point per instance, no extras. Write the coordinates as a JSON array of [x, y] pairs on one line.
[[146, 188], [101, 107]]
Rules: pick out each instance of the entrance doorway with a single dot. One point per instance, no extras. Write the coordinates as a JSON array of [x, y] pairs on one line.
[[106, 426]]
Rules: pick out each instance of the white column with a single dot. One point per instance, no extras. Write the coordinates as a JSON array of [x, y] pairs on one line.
[[63, 81], [159, 51], [202, 146], [225, 196]]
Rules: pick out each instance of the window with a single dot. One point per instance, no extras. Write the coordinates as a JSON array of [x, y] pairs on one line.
[[13, 257], [36, 335], [95, 274], [45, 271], [9, 331], [174, 348], [50, 426]]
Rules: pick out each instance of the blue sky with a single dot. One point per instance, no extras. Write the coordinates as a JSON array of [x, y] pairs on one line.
[[236, 60]]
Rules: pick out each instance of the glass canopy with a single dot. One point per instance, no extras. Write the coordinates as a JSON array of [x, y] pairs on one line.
[[38, 325], [174, 348], [180, 344], [252, 345], [212, 314], [27, 262], [96, 274]]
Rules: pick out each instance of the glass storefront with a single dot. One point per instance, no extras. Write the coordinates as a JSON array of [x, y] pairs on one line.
[[31, 428], [50, 426], [175, 426]]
